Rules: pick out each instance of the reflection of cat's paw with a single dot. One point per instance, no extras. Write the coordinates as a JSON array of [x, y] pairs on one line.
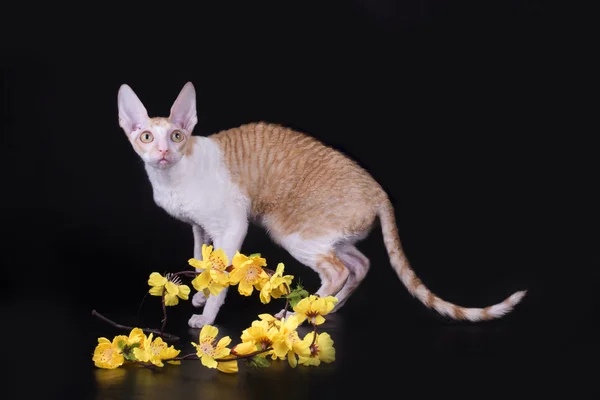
[[199, 320], [199, 299], [287, 314]]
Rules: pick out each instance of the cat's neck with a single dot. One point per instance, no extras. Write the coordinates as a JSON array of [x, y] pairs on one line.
[[198, 161]]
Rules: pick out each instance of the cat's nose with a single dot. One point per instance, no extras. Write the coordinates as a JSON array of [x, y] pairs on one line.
[[163, 151]]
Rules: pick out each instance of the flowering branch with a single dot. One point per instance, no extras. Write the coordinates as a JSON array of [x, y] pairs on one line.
[[167, 336], [272, 336]]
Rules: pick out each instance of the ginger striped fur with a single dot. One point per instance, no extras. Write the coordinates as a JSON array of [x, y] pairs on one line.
[[313, 200]]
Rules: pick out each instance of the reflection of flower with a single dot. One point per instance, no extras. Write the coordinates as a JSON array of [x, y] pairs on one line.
[[276, 286], [314, 307], [109, 377], [213, 278], [175, 289], [208, 352], [248, 273], [321, 351]]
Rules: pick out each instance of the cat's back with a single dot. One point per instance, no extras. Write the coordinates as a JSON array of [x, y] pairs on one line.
[[269, 146], [282, 167]]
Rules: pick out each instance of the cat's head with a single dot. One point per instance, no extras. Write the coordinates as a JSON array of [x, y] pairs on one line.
[[160, 142]]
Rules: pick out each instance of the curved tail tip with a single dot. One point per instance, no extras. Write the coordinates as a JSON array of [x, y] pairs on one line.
[[517, 297]]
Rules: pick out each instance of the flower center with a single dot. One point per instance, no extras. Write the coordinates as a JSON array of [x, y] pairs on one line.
[[107, 355], [174, 278], [217, 263], [314, 350], [252, 274], [207, 348]]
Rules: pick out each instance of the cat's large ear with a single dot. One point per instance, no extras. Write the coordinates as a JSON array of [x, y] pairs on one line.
[[183, 111], [132, 113]]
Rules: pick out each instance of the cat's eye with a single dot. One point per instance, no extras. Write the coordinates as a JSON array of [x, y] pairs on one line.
[[146, 137], [177, 136]]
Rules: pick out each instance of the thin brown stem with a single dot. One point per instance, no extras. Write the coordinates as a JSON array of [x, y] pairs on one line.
[[287, 301], [145, 365], [167, 336], [164, 308], [314, 335]]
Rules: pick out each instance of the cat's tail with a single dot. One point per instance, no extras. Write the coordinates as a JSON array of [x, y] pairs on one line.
[[417, 288]]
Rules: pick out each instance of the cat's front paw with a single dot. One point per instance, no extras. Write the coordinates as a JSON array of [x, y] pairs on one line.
[[199, 299], [199, 320]]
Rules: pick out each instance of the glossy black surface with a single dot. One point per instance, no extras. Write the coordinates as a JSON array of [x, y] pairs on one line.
[[448, 105]]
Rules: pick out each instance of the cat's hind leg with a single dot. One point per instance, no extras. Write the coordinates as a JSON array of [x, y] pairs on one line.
[[321, 257], [358, 264]]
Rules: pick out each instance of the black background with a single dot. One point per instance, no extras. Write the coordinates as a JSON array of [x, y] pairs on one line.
[[457, 108]]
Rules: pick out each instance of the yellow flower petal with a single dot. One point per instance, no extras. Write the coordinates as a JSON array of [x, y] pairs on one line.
[[280, 348], [220, 277], [156, 290], [172, 288], [319, 320], [221, 352], [103, 340], [208, 361], [169, 352], [206, 251], [237, 274], [136, 336], [245, 288], [201, 281], [229, 367], [224, 342], [302, 306], [157, 279], [214, 288], [292, 360], [196, 263], [238, 259], [244, 348], [171, 299], [208, 333], [184, 292]]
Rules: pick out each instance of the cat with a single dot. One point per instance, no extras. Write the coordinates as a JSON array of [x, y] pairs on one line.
[[311, 199]]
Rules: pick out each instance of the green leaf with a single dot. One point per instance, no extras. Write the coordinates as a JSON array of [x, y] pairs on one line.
[[254, 255], [258, 362], [120, 344]]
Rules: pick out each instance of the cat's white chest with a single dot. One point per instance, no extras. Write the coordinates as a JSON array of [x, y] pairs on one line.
[[176, 202]]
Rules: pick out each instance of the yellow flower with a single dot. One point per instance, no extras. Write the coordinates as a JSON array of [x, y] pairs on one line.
[[157, 283], [262, 335], [229, 367], [107, 355], [321, 351], [173, 285], [244, 348], [207, 351], [288, 343], [155, 351], [271, 320], [214, 278], [314, 307], [276, 286], [135, 338], [248, 273]]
